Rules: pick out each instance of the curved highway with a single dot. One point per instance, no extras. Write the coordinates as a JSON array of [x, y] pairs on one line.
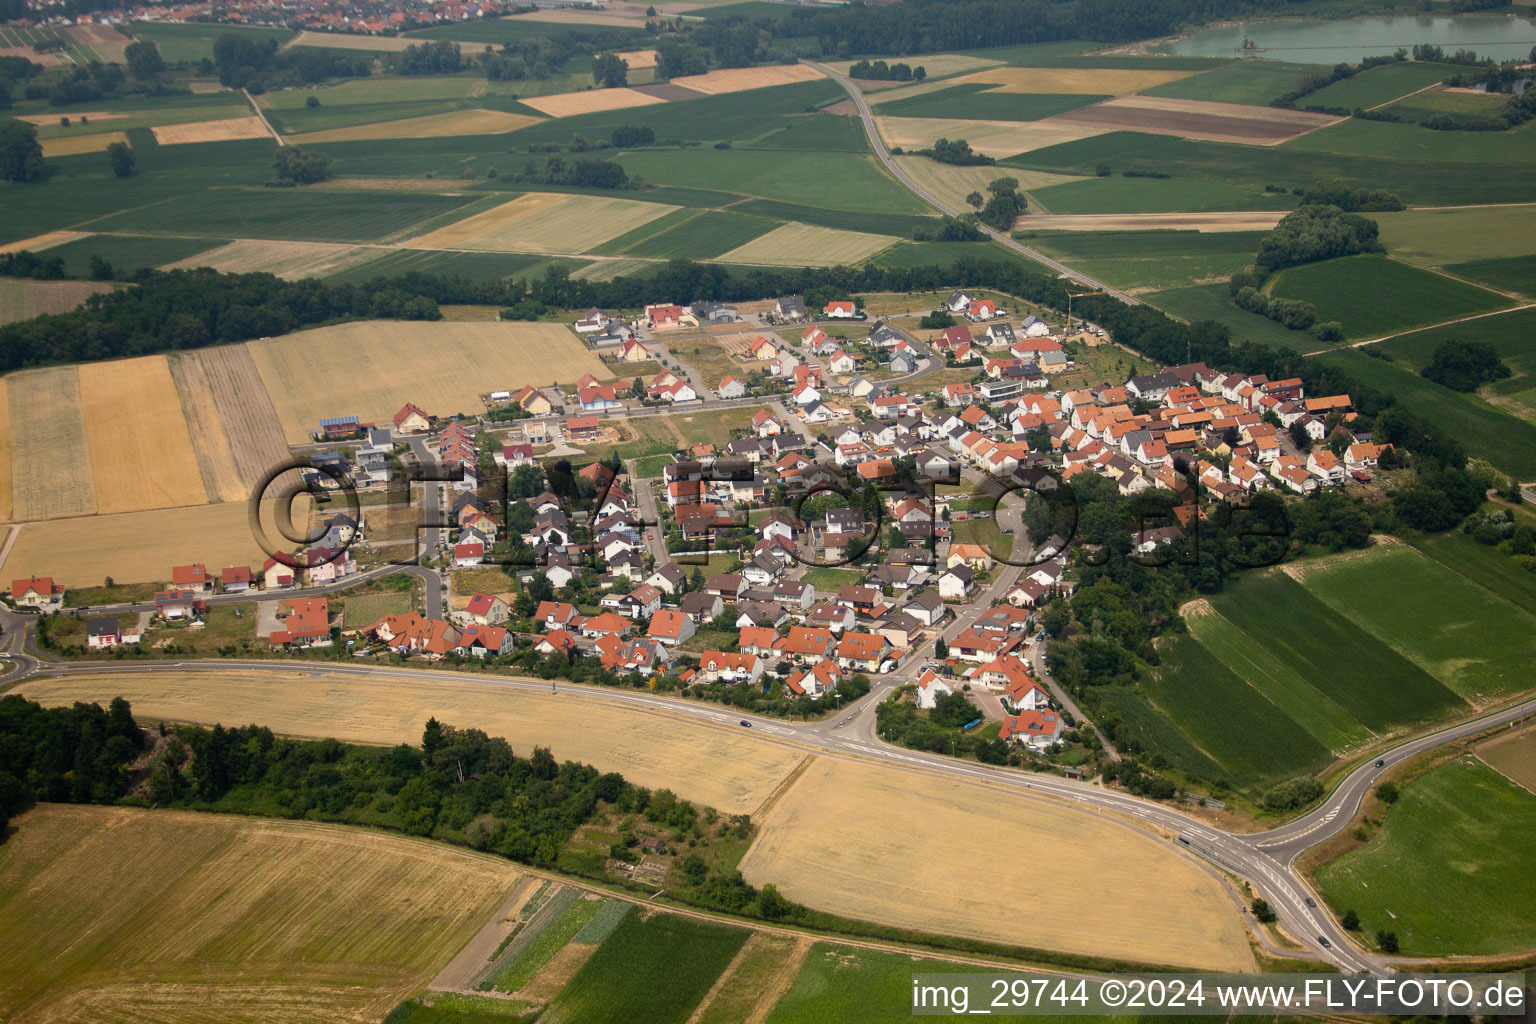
[[878, 144]]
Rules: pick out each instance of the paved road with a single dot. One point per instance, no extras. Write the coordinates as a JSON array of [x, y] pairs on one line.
[[928, 197]]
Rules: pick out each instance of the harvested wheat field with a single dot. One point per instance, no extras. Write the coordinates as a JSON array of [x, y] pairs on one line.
[[952, 184], [21, 299], [200, 408], [1197, 119], [1513, 755], [1246, 220], [1076, 81], [635, 60], [140, 547], [742, 79], [292, 261], [570, 17], [49, 119], [37, 243], [544, 222], [224, 378], [343, 41], [141, 452], [589, 101], [300, 370], [990, 138], [50, 461], [859, 839], [713, 766], [805, 245], [225, 130], [71, 145], [5, 453], [428, 126], [137, 915]]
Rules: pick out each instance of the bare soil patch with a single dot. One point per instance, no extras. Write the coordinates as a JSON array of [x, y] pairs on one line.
[[1513, 755]]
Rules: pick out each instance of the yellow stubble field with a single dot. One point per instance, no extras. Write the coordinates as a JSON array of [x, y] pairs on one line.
[[475, 121], [859, 840], [141, 451], [226, 129], [544, 222], [952, 183], [5, 452], [140, 915], [372, 368], [140, 547], [714, 766], [743, 79], [806, 245], [589, 101], [990, 138], [50, 460], [292, 261], [1080, 81], [71, 145]]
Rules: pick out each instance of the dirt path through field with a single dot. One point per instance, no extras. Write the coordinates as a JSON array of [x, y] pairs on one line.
[[461, 970], [1416, 330]]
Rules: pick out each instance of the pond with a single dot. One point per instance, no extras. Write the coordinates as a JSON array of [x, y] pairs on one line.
[[1329, 42]]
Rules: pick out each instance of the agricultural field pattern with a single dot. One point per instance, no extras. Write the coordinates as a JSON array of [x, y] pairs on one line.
[[705, 513]]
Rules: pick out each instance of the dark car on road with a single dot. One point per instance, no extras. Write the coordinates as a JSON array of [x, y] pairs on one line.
[[746, 724]]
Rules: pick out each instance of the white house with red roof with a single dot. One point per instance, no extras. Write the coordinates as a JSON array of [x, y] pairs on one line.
[[487, 609], [412, 420], [38, 592], [1037, 729], [840, 309]]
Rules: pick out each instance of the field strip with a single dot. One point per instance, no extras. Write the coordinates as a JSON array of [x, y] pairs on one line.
[[96, 142], [1426, 327], [215, 458], [141, 450], [590, 101], [5, 454], [990, 138], [544, 222], [1249, 220], [1081, 81], [45, 119], [1516, 296], [459, 972], [37, 243], [292, 261], [227, 129], [800, 245], [50, 461], [475, 121]]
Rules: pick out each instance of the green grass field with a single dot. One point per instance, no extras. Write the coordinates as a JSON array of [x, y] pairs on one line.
[[1373, 295], [193, 42], [1439, 237], [1229, 719], [1484, 431], [705, 236], [1479, 644], [457, 1008], [1214, 302], [825, 133], [1420, 167], [474, 266], [129, 252], [831, 579], [1459, 837], [652, 970], [1118, 194], [1511, 274], [1154, 730], [1168, 272], [855, 986], [1410, 142], [1152, 259], [1487, 566], [367, 609], [877, 223], [838, 181], [285, 213], [1253, 82], [928, 254], [1377, 86], [1461, 104], [555, 935], [1381, 690], [1512, 335], [972, 100]]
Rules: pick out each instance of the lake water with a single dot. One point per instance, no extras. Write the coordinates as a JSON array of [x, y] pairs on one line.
[[1329, 42]]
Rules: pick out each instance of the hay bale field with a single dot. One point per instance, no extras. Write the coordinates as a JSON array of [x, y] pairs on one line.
[[715, 766], [589, 101], [1512, 755], [224, 130], [239, 920], [1247, 220], [22, 300], [72, 145], [990, 138], [138, 547], [1081, 81], [544, 222], [442, 367], [292, 261], [225, 379], [38, 243], [50, 461], [806, 245], [952, 184], [713, 83], [1198, 119], [895, 833], [428, 126], [141, 451]]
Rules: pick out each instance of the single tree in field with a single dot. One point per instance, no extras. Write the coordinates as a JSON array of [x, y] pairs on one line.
[[1263, 911], [1387, 791], [1350, 920], [609, 71], [975, 200], [1387, 941], [21, 155], [143, 60], [120, 158]]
